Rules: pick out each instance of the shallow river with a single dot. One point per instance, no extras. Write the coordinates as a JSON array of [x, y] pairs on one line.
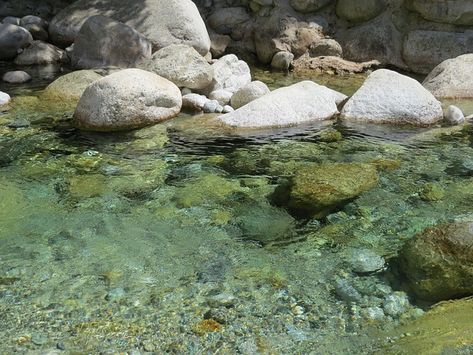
[[166, 239]]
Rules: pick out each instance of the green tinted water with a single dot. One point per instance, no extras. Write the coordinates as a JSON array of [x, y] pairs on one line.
[[165, 240]]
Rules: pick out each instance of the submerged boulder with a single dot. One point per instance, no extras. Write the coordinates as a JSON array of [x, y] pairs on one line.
[[163, 22], [438, 262], [452, 79], [320, 189], [182, 65], [299, 103], [40, 52], [13, 38], [128, 99], [103, 42], [390, 97], [16, 77], [70, 87]]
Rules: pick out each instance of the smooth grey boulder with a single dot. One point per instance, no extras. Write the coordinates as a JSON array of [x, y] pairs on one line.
[[16, 77], [248, 93], [182, 65], [282, 60], [125, 100], [359, 10], [308, 5], [389, 97], [4, 98], [163, 22], [13, 39], [225, 20], [230, 74], [424, 50], [456, 12], [452, 79], [12, 20], [299, 103], [103, 42], [38, 32], [40, 52], [326, 47], [32, 19], [71, 86], [454, 115]]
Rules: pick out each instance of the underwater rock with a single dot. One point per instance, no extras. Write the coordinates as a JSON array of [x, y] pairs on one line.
[[432, 192], [40, 52], [70, 87], [320, 189], [363, 261], [128, 99], [390, 97], [16, 77], [438, 262]]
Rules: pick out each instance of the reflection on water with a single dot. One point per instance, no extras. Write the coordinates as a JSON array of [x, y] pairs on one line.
[[166, 239]]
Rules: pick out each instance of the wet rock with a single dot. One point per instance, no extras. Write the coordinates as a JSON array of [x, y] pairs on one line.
[[365, 261], [4, 98], [16, 77], [40, 52], [115, 294], [302, 102], [347, 292], [438, 262], [361, 10], [230, 74], [70, 87], [20, 122], [35, 20], [13, 39], [282, 61], [396, 304], [424, 50], [163, 22], [221, 300], [454, 115], [390, 97], [103, 42], [39, 339], [128, 99], [373, 313], [12, 20], [452, 78], [248, 93], [38, 32], [432, 192], [320, 189], [182, 65]]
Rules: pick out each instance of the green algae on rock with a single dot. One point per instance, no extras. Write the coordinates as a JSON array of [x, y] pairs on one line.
[[319, 189], [438, 262]]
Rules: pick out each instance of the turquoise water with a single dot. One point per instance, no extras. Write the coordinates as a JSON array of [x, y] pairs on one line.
[[167, 239]]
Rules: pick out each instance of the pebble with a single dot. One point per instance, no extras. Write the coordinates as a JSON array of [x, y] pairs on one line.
[[365, 261], [222, 299], [115, 294], [39, 339]]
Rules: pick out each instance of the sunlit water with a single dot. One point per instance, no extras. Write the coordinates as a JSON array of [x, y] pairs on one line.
[[165, 240]]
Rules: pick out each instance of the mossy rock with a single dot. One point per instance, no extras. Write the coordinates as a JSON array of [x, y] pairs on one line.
[[320, 189], [432, 192], [445, 329], [438, 262]]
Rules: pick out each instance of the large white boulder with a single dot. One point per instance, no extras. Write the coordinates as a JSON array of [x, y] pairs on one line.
[[103, 42], [163, 22], [128, 99], [288, 106], [452, 78], [390, 97], [181, 64]]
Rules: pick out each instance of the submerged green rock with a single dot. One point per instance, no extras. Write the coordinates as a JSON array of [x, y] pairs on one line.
[[70, 87], [320, 189], [438, 262]]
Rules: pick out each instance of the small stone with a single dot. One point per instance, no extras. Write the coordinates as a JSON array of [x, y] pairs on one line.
[[396, 304], [61, 346], [211, 106], [16, 77], [432, 192], [148, 345], [228, 109], [373, 313], [39, 339], [454, 115], [365, 261], [222, 299], [282, 61], [115, 294], [347, 292]]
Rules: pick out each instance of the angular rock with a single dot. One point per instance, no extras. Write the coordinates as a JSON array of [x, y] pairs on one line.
[[456, 12], [423, 50], [70, 87], [13, 38], [452, 79], [128, 99], [438, 262], [359, 10], [16, 77], [390, 97], [318, 190], [299, 103], [230, 74], [40, 52], [163, 22], [182, 65], [103, 42], [248, 93]]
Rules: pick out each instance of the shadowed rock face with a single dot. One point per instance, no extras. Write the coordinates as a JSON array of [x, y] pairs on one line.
[[457, 12], [438, 262]]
